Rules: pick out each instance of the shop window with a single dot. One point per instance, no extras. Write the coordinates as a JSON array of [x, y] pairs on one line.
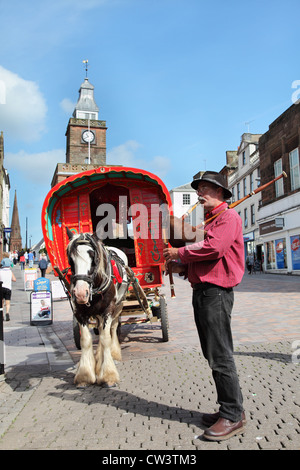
[[295, 251], [280, 249], [270, 255]]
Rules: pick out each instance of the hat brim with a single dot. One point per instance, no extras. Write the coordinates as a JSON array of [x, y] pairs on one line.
[[227, 192]]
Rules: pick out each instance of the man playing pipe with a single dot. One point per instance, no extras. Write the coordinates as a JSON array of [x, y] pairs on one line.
[[214, 266]]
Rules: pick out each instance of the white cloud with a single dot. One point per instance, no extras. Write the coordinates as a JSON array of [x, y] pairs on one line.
[[22, 107], [38, 168], [125, 154], [67, 105]]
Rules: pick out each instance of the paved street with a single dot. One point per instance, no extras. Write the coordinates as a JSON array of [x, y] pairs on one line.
[[165, 387]]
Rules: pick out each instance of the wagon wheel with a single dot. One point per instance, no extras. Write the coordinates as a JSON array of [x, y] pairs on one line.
[[76, 333], [161, 313]]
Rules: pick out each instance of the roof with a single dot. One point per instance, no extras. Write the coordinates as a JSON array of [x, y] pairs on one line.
[[183, 187]]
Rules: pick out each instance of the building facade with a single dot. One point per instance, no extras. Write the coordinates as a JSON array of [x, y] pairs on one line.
[[183, 197], [4, 201], [243, 176], [279, 214]]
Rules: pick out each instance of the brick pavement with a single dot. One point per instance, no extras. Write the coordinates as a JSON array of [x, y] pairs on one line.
[[164, 386]]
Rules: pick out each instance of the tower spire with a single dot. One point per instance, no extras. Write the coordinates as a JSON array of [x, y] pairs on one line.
[[86, 62], [15, 235], [86, 107]]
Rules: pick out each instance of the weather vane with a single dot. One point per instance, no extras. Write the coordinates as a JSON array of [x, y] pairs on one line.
[[86, 66]]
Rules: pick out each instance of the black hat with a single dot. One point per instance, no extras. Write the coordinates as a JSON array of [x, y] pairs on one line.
[[215, 178]]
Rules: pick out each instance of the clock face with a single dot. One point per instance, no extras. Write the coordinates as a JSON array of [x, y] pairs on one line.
[[88, 136]]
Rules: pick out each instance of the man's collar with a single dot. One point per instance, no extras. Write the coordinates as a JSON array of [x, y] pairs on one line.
[[216, 210]]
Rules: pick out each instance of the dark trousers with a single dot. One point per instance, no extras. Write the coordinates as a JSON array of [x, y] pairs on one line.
[[212, 311]]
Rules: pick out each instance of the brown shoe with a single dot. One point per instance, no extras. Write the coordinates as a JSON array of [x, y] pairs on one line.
[[223, 429], [208, 419]]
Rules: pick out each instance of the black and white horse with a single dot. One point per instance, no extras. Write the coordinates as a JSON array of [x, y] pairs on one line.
[[99, 284]]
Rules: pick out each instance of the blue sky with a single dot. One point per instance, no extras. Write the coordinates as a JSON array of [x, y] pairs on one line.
[[175, 80]]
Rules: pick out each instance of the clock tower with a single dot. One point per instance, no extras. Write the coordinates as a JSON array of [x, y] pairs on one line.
[[86, 134], [85, 137]]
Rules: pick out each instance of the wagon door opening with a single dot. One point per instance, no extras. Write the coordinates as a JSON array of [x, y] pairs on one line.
[[109, 213]]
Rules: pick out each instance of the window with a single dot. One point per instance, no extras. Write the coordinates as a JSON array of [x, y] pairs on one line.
[[251, 183], [258, 177], [186, 199], [245, 187], [244, 158], [252, 208], [233, 192], [294, 169], [278, 184], [245, 218], [238, 188]]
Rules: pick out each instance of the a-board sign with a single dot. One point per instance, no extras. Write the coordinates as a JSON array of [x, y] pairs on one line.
[[30, 275], [58, 292], [41, 310]]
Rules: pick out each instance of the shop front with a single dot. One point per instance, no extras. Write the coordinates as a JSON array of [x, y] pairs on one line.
[[281, 246]]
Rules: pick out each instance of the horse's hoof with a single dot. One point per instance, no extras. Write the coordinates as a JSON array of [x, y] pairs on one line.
[[106, 385], [81, 386]]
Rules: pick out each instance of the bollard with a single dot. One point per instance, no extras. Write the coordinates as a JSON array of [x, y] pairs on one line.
[[1, 333]]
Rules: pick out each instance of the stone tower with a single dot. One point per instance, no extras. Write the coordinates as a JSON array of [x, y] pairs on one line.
[[15, 235], [85, 137]]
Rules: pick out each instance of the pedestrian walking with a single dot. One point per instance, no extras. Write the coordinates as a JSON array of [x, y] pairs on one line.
[[6, 261], [6, 276], [22, 262], [30, 259], [43, 264], [214, 266]]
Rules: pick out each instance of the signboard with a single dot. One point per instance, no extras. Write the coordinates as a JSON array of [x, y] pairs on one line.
[[58, 292], [295, 250], [41, 284], [30, 275], [269, 227], [41, 308]]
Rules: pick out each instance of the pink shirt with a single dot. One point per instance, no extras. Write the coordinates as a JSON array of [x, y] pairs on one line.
[[219, 258]]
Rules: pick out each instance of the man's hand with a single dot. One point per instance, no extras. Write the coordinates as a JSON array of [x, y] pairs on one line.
[[170, 254], [175, 267]]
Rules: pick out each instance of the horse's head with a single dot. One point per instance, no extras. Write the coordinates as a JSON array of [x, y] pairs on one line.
[[84, 258]]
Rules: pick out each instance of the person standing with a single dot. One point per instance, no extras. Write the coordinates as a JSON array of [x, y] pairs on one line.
[[6, 276], [214, 266]]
